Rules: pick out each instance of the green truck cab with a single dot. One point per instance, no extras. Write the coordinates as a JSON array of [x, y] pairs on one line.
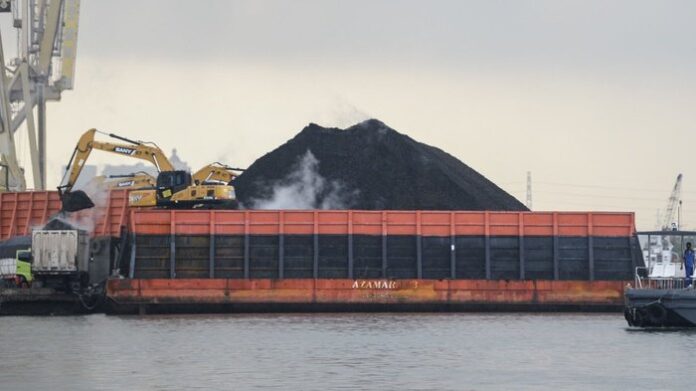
[[24, 276]]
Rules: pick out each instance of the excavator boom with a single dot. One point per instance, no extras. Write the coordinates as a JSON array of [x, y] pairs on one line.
[[216, 172], [137, 180], [78, 200]]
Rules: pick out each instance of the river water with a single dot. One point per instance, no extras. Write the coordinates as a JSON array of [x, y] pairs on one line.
[[342, 351]]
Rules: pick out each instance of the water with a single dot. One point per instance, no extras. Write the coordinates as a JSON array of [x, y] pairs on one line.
[[342, 351]]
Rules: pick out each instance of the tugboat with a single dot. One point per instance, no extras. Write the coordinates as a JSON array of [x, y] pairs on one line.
[[662, 295]]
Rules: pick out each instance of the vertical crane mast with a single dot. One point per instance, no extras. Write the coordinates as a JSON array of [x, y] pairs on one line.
[[43, 68], [670, 215]]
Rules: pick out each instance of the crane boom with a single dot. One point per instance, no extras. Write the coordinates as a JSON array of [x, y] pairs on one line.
[[670, 215]]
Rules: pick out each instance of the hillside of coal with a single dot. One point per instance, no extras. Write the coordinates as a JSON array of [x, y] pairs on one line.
[[367, 166]]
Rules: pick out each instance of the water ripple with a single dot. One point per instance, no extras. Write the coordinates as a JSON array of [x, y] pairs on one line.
[[341, 351]]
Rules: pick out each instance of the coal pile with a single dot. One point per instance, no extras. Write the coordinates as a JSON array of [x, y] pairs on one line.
[[367, 166]]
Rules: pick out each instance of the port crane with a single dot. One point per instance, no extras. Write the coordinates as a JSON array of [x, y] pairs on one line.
[[43, 68], [669, 218]]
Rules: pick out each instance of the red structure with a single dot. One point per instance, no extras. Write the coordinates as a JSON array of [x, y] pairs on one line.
[[352, 260], [345, 222], [20, 212], [309, 294]]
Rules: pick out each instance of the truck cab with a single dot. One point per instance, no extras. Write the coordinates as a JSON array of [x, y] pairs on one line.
[[24, 267], [16, 272]]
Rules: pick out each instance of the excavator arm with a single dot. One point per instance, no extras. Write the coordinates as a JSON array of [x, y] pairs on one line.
[[132, 181], [135, 149], [216, 172], [78, 200], [137, 180]]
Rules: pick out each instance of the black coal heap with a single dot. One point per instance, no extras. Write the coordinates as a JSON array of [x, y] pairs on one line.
[[388, 169]]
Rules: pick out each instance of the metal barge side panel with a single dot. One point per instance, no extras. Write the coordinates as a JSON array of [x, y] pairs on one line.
[[20, 212], [381, 244], [339, 294]]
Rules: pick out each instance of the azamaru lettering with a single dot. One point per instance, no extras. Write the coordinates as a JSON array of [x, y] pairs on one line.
[[375, 284]]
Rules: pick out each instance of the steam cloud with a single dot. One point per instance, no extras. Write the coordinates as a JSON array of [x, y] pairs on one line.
[[85, 219], [305, 188]]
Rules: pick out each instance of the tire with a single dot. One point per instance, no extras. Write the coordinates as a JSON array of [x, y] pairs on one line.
[[22, 282], [628, 316], [657, 314], [639, 317]]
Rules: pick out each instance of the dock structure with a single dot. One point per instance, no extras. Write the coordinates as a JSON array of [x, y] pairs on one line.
[[41, 301]]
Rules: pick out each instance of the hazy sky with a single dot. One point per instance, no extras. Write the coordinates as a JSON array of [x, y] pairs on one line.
[[596, 99]]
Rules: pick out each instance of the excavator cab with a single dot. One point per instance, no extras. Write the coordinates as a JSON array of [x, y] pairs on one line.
[[172, 182]]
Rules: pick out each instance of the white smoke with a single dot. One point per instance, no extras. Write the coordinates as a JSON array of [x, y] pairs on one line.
[[305, 188], [340, 112], [98, 192], [87, 219]]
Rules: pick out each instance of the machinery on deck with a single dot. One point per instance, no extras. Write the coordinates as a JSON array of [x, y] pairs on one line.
[[173, 188]]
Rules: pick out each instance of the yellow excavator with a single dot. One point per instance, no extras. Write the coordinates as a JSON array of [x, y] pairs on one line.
[[207, 188], [202, 189]]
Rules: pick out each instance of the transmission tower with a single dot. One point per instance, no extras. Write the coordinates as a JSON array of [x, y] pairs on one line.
[[44, 66], [529, 190]]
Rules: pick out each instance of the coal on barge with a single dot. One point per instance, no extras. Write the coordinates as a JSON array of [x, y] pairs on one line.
[[343, 260]]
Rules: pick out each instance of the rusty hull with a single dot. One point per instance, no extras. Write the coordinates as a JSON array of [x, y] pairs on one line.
[[262, 295]]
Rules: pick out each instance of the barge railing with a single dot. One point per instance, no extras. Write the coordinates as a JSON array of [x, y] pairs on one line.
[[644, 281]]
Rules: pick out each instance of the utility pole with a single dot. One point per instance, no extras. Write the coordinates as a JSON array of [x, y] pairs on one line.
[[529, 190]]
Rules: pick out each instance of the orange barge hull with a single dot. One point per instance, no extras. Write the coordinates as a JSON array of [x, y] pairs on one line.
[[234, 295]]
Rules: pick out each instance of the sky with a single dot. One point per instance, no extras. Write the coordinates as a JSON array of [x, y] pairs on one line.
[[594, 98]]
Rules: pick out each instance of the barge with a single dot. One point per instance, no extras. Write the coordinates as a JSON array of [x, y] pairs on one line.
[[346, 260]]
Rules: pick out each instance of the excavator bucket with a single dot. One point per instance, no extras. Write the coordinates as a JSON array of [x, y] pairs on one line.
[[74, 201]]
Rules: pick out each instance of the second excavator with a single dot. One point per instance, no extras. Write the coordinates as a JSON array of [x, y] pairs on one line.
[[207, 188]]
